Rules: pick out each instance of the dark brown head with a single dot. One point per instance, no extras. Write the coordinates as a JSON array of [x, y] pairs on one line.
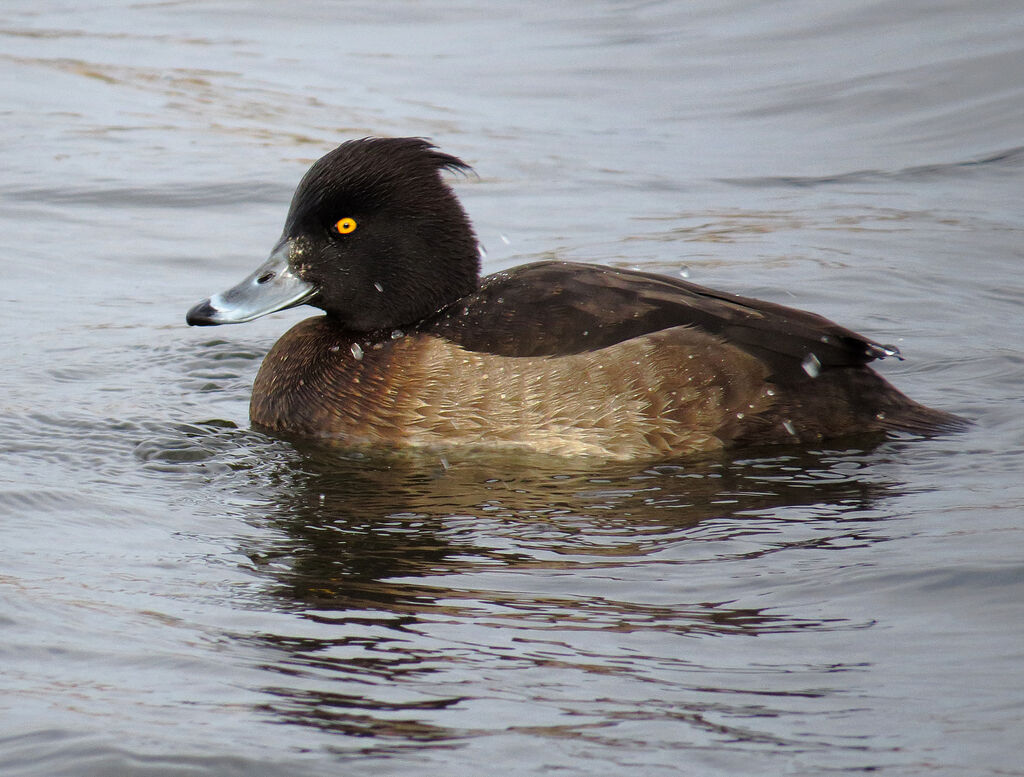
[[374, 237]]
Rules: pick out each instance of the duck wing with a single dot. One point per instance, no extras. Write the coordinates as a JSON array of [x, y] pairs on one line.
[[561, 308]]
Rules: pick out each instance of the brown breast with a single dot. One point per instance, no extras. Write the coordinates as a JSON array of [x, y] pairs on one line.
[[674, 391]]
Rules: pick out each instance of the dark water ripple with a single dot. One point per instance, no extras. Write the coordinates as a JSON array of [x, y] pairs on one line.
[[1008, 161], [188, 194]]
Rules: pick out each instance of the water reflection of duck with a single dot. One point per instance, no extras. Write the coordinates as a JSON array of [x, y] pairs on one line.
[[416, 350], [407, 577], [358, 532]]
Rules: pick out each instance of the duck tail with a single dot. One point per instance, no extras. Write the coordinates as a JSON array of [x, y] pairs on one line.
[[905, 415]]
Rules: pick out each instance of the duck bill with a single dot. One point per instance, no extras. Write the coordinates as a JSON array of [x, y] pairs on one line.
[[272, 286]]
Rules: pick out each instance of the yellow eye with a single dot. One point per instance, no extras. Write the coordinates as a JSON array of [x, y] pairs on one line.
[[345, 225]]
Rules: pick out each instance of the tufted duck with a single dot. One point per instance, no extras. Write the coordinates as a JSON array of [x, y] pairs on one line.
[[416, 350]]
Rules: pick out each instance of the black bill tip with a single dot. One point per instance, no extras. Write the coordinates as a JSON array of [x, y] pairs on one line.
[[203, 314]]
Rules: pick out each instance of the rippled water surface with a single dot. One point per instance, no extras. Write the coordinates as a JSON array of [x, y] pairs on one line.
[[182, 595]]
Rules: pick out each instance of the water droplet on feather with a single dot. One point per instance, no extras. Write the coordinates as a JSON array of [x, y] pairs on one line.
[[811, 365], [891, 350]]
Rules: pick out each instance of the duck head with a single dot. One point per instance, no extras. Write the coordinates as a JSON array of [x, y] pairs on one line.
[[374, 237]]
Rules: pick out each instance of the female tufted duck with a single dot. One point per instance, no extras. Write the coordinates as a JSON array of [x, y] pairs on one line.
[[417, 350]]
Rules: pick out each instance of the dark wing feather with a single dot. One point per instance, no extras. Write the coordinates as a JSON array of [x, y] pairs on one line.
[[560, 308]]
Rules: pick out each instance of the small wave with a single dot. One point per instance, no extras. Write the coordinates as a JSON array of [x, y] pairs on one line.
[[1011, 158], [37, 500], [181, 195], [55, 752]]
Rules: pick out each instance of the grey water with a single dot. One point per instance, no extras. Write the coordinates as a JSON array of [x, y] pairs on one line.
[[183, 595]]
